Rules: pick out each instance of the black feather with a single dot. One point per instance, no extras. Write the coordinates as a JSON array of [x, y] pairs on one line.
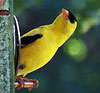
[[29, 39], [22, 66], [72, 17]]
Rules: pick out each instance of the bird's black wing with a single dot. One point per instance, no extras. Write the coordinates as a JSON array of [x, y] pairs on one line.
[[29, 39]]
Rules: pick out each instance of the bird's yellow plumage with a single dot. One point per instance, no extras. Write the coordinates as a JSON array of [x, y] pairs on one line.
[[40, 44]]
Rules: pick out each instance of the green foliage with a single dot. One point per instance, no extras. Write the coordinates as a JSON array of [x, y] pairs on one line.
[[22, 5], [76, 48]]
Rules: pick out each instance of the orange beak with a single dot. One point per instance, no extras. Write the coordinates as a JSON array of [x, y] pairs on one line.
[[65, 14]]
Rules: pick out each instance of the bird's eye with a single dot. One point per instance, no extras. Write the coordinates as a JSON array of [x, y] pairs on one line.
[[71, 17]]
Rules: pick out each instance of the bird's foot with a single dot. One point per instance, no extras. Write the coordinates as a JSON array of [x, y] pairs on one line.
[[21, 82], [31, 84], [35, 83]]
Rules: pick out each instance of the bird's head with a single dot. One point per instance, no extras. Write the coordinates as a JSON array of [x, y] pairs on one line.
[[68, 16], [69, 21], [65, 24], [66, 21]]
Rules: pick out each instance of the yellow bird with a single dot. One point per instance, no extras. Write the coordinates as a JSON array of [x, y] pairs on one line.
[[40, 44]]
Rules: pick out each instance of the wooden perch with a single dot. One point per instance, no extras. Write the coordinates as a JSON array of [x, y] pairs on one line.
[[26, 84]]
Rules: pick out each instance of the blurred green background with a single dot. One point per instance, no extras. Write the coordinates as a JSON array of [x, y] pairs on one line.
[[76, 66]]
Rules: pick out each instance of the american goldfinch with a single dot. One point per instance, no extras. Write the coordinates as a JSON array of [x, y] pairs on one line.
[[40, 44]]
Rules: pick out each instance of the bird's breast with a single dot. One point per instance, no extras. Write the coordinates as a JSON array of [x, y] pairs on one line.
[[36, 55]]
